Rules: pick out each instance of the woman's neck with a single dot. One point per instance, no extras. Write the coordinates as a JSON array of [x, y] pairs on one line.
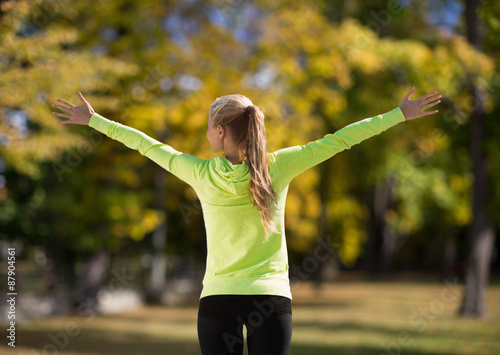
[[231, 152], [234, 160]]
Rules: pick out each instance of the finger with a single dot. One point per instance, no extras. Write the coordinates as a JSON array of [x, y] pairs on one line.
[[65, 102], [422, 98], [430, 99], [410, 93], [425, 107], [61, 114], [82, 99], [64, 108], [64, 122], [429, 113]]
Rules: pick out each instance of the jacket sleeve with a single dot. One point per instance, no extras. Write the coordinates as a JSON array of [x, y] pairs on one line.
[[292, 161], [184, 166]]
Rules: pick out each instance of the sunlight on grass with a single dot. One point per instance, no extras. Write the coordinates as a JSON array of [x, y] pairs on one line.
[[343, 318]]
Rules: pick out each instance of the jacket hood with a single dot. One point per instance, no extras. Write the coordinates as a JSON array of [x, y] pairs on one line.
[[234, 179]]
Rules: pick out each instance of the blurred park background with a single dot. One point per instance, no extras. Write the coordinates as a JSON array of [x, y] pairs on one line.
[[110, 248]]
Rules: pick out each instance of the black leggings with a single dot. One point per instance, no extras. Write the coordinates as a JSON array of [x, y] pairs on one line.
[[268, 320]]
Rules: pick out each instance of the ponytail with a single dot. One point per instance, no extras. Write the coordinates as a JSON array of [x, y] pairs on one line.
[[261, 191]]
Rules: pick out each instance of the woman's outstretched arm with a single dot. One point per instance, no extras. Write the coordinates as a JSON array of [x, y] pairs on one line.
[[292, 161], [186, 167]]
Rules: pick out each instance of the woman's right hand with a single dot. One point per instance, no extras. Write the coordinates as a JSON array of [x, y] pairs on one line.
[[76, 114], [414, 108]]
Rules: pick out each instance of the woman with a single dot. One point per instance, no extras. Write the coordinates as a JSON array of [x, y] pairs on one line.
[[243, 200]]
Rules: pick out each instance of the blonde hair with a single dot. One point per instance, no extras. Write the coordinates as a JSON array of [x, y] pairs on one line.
[[245, 121]]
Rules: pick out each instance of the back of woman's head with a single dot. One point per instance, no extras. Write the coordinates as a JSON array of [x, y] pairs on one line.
[[245, 122]]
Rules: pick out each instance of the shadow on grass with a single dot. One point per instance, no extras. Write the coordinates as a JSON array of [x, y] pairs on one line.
[[350, 327], [356, 350], [331, 305], [98, 342], [180, 319]]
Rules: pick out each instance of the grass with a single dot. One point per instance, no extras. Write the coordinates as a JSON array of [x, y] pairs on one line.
[[352, 317]]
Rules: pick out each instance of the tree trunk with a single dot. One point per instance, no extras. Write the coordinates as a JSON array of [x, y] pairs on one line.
[[382, 242], [157, 277], [324, 184], [389, 239], [449, 254], [372, 247], [157, 280], [480, 236], [95, 275], [481, 232]]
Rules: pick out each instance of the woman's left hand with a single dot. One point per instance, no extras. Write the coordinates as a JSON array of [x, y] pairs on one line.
[[76, 114]]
